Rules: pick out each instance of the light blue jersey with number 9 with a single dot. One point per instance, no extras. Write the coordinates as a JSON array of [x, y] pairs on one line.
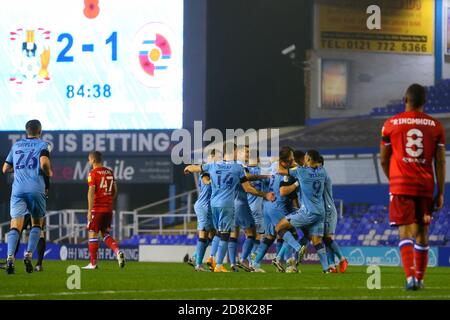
[[24, 157], [312, 184]]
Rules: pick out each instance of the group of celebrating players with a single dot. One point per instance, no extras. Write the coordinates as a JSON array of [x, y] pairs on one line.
[[234, 195], [299, 195], [296, 195]]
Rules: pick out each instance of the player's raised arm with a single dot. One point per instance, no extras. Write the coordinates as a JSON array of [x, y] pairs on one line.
[[256, 177], [269, 196], [440, 177], [193, 168], [286, 190]]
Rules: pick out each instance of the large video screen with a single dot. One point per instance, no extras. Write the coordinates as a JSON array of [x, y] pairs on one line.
[[334, 84], [91, 64]]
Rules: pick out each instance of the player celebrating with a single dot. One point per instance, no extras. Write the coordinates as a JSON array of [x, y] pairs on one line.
[[225, 176], [256, 205], [275, 213], [102, 191], [330, 228], [311, 215], [243, 216], [202, 208], [410, 141], [29, 160]]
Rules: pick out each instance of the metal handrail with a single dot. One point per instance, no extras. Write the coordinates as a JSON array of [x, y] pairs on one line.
[[125, 230], [157, 203]]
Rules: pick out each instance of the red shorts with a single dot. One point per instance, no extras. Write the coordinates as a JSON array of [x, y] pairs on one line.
[[404, 210], [100, 222]]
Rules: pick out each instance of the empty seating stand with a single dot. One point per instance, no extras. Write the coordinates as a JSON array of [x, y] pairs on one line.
[[361, 225], [438, 101]]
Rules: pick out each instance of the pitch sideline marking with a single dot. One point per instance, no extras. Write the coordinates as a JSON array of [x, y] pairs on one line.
[[105, 292]]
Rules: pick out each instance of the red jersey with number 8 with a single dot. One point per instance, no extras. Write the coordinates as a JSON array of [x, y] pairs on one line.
[[414, 137], [103, 180]]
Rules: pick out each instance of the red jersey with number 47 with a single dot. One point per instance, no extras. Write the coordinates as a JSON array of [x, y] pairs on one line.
[[103, 180], [414, 137]]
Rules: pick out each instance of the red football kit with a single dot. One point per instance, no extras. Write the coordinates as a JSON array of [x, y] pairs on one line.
[[414, 137], [103, 180]]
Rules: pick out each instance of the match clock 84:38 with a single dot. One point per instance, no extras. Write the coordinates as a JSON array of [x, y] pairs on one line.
[[85, 91]]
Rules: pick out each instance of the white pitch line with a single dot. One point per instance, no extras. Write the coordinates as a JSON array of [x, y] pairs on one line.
[[360, 297], [112, 292], [70, 293]]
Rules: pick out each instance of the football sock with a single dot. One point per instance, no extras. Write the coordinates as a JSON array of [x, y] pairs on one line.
[[111, 243], [200, 251], [247, 247], [330, 255], [215, 245], [281, 253], [320, 248], [33, 239], [421, 259], [255, 246], [407, 254], [262, 250], [289, 238], [336, 249], [13, 239], [279, 245], [222, 251], [93, 248], [232, 246], [287, 254]]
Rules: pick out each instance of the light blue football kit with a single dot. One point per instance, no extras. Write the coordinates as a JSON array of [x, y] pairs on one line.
[[202, 206], [28, 189], [225, 177]]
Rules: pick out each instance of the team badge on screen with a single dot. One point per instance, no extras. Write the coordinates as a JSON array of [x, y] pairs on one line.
[[153, 62], [31, 55]]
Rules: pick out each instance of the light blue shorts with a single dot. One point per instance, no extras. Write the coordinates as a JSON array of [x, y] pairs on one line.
[[223, 219], [204, 217], [313, 223], [258, 216], [28, 203], [330, 222], [243, 217], [269, 227]]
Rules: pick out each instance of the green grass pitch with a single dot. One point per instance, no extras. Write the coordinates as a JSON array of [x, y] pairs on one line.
[[173, 281]]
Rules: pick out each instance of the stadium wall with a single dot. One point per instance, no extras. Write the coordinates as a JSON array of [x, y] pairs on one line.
[[372, 82]]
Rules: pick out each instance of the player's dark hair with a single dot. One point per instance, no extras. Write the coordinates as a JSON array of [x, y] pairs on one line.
[[33, 127], [97, 156], [314, 155], [321, 160], [416, 95], [299, 155], [229, 147], [285, 152]]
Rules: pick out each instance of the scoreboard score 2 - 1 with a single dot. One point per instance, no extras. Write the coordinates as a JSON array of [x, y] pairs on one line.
[[92, 64]]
